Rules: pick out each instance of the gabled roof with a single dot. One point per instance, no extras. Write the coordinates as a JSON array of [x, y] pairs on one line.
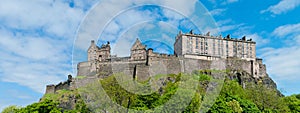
[[138, 45], [93, 46]]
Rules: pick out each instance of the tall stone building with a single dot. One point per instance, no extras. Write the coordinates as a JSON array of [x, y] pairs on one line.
[[208, 47]]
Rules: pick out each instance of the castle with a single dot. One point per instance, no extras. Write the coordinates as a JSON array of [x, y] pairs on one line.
[[204, 48], [191, 52]]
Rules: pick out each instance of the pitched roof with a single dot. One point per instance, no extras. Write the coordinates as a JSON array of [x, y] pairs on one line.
[[138, 45], [93, 46]]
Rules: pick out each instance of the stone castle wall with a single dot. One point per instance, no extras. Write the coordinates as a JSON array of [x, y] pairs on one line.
[[173, 65], [61, 86], [142, 70]]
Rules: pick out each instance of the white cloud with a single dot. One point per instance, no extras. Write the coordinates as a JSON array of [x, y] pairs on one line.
[[125, 21], [282, 7], [36, 41], [217, 12], [229, 2], [225, 28], [260, 41], [289, 34], [241, 30], [222, 2], [286, 30], [282, 63], [224, 22], [51, 17], [185, 7], [33, 62], [172, 15], [229, 25]]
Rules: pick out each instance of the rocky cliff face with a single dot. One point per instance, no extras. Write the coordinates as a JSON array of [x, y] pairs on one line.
[[244, 72], [69, 100], [245, 78]]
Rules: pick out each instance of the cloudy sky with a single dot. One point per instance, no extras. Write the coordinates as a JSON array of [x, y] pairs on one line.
[[42, 40]]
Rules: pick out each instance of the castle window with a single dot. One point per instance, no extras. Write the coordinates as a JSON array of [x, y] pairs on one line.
[[235, 49], [201, 46], [197, 43], [243, 50], [206, 46], [250, 51], [214, 47], [246, 51], [227, 54], [219, 48]]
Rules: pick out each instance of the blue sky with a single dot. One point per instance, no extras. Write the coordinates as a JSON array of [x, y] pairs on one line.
[[37, 37]]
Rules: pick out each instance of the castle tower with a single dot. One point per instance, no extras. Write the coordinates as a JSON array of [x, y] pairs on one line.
[[104, 52], [99, 54], [93, 52], [138, 51]]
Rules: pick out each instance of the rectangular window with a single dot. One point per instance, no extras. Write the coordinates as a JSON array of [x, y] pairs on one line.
[[214, 47], [201, 45], [197, 44], [243, 50], [234, 49], [219, 48], [250, 51], [187, 45], [206, 47], [227, 48]]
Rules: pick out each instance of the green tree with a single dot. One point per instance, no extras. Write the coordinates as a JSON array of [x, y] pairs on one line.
[[220, 106], [293, 102], [46, 106], [232, 87], [266, 99], [235, 106], [10, 109]]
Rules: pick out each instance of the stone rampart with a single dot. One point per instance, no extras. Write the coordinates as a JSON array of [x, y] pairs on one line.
[[142, 70]]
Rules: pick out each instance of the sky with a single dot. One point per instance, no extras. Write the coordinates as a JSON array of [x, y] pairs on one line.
[[41, 41]]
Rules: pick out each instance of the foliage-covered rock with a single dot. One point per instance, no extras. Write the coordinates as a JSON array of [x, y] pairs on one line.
[[175, 93]]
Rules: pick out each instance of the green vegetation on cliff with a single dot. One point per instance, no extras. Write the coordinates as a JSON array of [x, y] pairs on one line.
[[173, 93]]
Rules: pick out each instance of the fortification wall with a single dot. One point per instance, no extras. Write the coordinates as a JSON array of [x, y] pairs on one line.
[[50, 89], [142, 70], [80, 82], [83, 68], [171, 65], [61, 86], [238, 64]]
